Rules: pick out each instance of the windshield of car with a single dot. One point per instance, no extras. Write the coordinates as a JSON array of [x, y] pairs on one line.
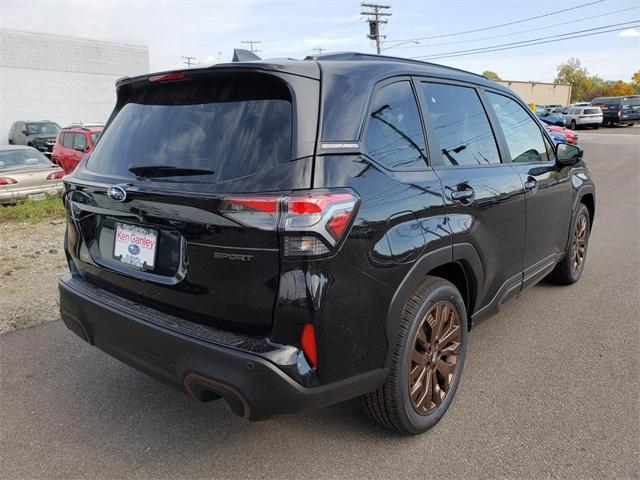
[[42, 127], [634, 101], [231, 127], [10, 159]]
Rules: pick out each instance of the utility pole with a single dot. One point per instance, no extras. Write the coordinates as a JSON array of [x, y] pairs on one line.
[[319, 50], [374, 15], [188, 61], [251, 43]]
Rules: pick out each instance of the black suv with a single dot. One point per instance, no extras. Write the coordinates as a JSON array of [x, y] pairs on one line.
[[288, 234], [39, 134]]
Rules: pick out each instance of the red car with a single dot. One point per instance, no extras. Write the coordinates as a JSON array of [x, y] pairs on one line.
[[572, 137], [73, 143]]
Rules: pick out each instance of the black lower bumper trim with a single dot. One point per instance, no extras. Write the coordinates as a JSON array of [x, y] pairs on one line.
[[253, 386]]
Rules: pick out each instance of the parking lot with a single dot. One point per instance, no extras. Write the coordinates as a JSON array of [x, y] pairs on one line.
[[550, 389]]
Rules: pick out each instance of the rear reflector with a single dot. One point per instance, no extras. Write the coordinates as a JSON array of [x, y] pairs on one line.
[[7, 181], [167, 77], [308, 342]]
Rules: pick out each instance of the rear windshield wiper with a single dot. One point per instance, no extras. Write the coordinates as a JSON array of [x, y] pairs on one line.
[[155, 171]]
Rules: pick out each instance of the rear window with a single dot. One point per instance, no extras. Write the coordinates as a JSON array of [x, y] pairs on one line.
[[22, 158], [591, 111], [233, 126]]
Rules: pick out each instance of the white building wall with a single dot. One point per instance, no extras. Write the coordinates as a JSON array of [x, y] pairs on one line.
[[63, 79]]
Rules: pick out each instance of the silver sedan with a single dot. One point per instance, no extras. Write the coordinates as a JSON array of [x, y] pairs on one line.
[[27, 173]]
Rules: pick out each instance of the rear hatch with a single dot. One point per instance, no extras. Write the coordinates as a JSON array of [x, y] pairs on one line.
[[167, 209]]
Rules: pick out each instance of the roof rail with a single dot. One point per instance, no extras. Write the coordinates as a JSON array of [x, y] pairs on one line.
[[382, 58], [84, 126]]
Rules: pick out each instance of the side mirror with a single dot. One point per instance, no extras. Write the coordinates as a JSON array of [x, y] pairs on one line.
[[79, 148], [568, 154], [25, 132]]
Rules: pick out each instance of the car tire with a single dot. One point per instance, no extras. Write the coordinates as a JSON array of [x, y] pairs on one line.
[[569, 269], [433, 321], [596, 127], [572, 125]]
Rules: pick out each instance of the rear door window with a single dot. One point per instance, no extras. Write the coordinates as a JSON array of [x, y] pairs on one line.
[[394, 136], [231, 127], [523, 135], [80, 141], [67, 140], [460, 125]]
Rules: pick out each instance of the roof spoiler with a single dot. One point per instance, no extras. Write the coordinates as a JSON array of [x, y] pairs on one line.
[[241, 55]]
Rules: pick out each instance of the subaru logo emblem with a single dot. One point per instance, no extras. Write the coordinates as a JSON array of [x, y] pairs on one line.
[[133, 249], [116, 193]]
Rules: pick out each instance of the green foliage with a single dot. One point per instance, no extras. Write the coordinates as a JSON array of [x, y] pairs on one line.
[[34, 211], [491, 75], [585, 87]]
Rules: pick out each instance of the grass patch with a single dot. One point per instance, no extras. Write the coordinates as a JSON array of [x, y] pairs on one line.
[[34, 211]]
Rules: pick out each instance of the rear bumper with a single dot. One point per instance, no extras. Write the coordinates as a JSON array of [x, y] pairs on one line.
[[13, 196], [252, 384]]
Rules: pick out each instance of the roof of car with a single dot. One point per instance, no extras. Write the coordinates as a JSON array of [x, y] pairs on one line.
[[345, 63], [89, 128]]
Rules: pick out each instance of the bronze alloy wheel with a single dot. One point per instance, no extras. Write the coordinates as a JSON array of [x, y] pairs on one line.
[[435, 357], [579, 245]]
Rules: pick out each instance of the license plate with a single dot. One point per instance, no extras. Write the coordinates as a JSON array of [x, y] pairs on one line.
[[135, 245]]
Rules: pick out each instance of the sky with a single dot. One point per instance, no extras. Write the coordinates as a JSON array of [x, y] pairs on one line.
[[210, 30]]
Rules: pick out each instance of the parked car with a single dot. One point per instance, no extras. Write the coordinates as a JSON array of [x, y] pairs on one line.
[[25, 172], [583, 117], [619, 110], [580, 104], [549, 118], [73, 143], [38, 134], [558, 137], [287, 239], [571, 135]]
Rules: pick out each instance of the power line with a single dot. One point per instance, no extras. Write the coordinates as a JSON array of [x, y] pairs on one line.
[[319, 50], [188, 61], [251, 43], [374, 21], [530, 42], [519, 32], [411, 40]]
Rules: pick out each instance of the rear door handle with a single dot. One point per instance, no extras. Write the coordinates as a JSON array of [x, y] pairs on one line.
[[531, 185], [465, 196]]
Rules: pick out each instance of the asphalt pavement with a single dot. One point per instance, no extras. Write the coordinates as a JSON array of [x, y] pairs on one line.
[[550, 390]]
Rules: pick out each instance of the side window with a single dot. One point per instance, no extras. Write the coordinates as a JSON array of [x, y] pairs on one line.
[[523, 135], [394, 136], [80, 141], [460, 125], [67, 140]]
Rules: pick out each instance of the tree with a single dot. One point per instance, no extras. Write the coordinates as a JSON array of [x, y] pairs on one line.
[[636, 77], [621, 89], [574, 74], [491, 75]]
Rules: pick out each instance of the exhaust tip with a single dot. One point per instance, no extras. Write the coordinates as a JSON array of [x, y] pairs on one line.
[[204, 389]]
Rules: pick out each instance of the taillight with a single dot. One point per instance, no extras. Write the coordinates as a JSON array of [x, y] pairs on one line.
[[166, 77], [7, 181], [312, 222], [55, 175]]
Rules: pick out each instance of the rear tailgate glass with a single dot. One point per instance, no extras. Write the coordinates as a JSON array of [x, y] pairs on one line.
[[233, 129]]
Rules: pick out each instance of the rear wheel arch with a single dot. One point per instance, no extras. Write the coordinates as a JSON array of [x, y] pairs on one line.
[[459, 264]]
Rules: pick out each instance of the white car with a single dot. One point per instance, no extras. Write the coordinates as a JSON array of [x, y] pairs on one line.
[[583, 117]]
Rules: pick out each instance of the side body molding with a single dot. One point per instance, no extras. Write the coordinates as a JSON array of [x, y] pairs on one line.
[[464, 253]]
